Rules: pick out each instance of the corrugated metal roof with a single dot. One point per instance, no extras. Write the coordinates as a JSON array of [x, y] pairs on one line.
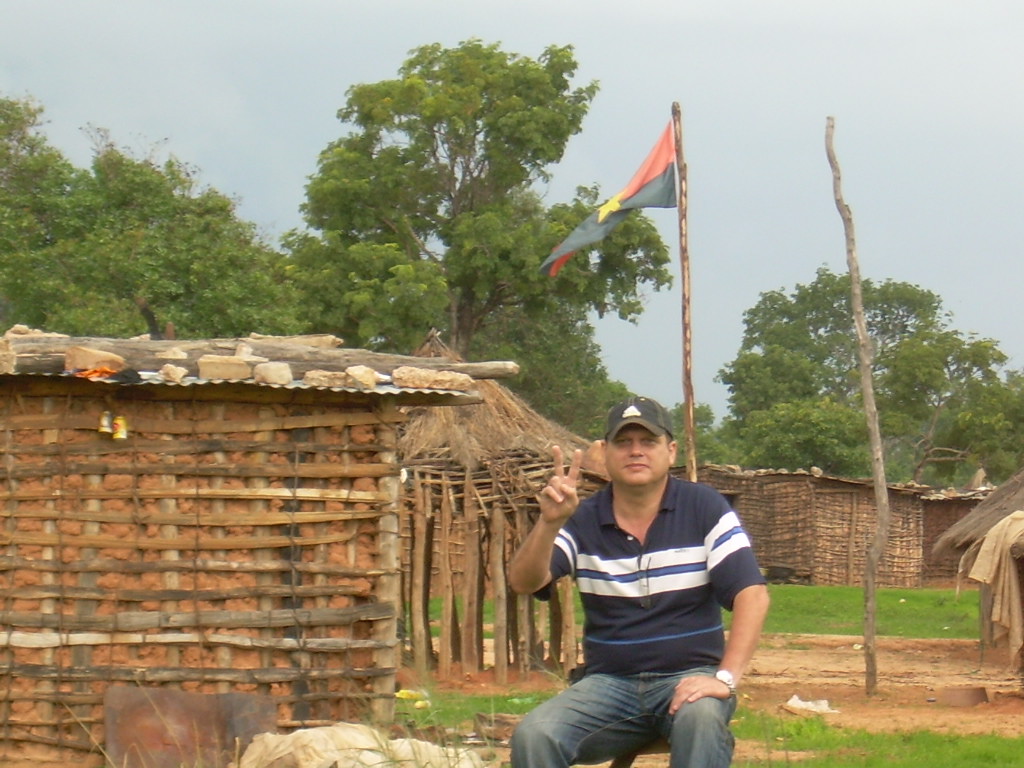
[[154, 379]]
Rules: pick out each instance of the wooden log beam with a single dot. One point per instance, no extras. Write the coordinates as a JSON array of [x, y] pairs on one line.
[[140, 675], [246, 494], [180, 447], [134, 621], [63, 592], [169, 543], [14, 639], [110, 565], [45, 354]]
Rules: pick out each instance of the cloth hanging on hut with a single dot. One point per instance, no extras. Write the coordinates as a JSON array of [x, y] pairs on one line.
[[996, 567]]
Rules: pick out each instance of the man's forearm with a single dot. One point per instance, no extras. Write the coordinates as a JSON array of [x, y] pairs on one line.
[[749, 610], [530, 568]]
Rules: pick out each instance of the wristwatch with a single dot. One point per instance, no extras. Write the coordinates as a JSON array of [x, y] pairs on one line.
[[725, 676]]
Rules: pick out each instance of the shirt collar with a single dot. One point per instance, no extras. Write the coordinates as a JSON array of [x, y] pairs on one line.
[[606, 516]]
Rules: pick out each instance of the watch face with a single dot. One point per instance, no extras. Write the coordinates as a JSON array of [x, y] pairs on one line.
[[725, 676]]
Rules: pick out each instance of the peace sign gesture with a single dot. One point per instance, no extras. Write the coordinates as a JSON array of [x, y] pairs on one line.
[[558, 499]]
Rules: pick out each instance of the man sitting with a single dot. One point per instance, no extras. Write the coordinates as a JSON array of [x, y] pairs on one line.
[[655, 559]]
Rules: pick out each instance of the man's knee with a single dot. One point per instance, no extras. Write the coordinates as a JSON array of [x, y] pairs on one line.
[[701, 735], [537, 740], [702, 714], [532, 729]]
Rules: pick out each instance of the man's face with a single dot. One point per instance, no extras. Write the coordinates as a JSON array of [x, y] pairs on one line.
[[636, 456]]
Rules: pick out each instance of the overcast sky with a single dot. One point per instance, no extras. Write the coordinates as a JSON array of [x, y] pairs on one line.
[[928, 98]]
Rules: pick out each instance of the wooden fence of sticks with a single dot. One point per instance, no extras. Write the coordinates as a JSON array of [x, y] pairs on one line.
[[459, 529]]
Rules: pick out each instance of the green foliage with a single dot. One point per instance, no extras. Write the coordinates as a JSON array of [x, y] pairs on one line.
[[34, 179], [127, 246], [795, 384], [760, 379], [991, 425], [379, 302], [440, 168], [714, 445], [815, 322], [806, 433], [561, 372]]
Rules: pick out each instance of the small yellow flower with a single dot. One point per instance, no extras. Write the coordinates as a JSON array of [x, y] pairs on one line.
[[405, 693]]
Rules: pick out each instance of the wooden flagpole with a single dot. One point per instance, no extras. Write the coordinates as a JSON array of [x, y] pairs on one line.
[[690, 441]]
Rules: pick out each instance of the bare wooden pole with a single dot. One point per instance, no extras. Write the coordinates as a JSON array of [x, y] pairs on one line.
[[446, 651], [419, 598], [684, 265], [877, 547], [472, 581], [499, 586]]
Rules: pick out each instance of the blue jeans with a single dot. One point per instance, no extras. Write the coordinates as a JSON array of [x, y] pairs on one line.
[[603, 716]]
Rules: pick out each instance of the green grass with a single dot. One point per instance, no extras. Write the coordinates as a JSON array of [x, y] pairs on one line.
[[812, 743], [457, 710], [922, 613]]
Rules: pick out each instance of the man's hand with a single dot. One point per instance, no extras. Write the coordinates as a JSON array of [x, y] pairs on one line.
[[693, 687], [530, 568], [558, 500]]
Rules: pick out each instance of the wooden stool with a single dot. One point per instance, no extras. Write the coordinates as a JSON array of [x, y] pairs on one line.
[[657, 747]]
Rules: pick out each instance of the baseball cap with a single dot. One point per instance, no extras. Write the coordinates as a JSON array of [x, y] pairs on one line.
[[638, 410]]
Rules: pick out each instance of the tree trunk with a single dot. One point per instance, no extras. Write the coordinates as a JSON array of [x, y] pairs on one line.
[[877, 547], [462, 327]]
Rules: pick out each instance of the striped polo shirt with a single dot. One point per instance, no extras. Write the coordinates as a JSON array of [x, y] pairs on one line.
[[656, 606]]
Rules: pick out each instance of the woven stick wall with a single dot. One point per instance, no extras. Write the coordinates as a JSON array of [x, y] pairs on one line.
[[816, 530], [939, 517], [221, 546], [778, 517], [459, 531], [844, 527]]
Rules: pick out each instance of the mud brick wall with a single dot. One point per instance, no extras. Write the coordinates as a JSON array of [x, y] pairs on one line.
[[237, 539]]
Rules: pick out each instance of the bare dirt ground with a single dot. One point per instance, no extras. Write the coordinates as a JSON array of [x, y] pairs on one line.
[[918, 683], [916, 679]]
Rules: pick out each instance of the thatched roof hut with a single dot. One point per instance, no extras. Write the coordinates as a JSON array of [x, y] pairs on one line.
[[472, 475], [1007, 498], [991, 543], [501, 426]]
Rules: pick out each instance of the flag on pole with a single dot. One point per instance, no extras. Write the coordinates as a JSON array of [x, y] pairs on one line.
[[653, 186]]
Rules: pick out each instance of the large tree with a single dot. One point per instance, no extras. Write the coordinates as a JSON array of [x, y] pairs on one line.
[[36, 182], [128, 246], [990, 428], [426, 214], [797, 365]]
